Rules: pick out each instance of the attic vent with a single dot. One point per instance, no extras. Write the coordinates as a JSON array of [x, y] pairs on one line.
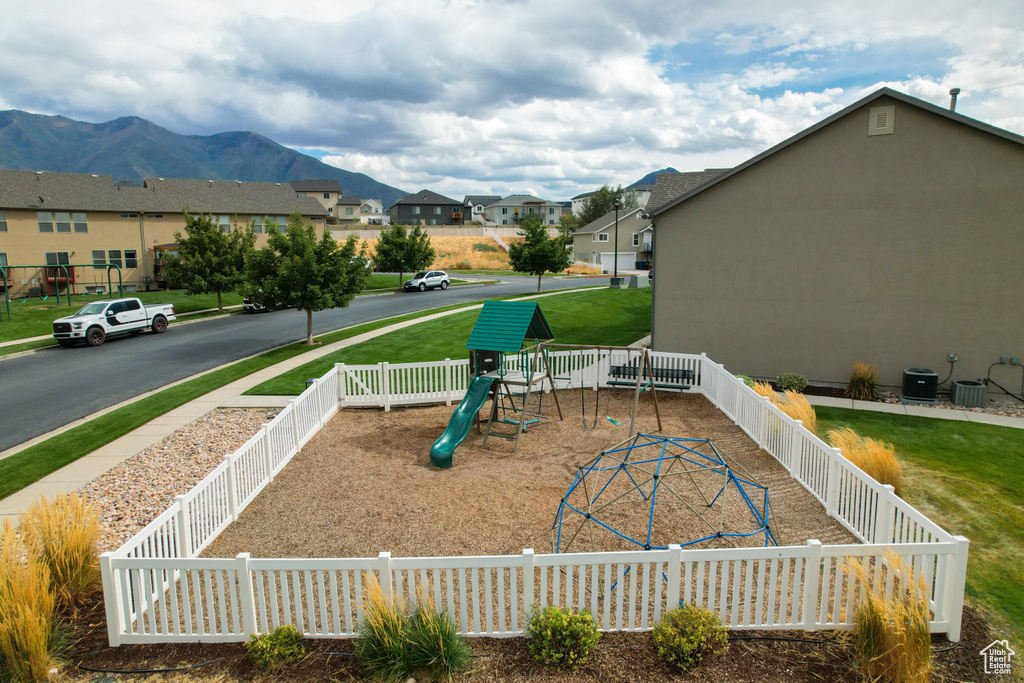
[[882, 121]]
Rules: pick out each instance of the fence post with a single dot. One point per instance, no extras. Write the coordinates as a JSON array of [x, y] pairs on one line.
[[597, 368], [795, 451], [340, 367], [245, 594], [319, 402], [812, 580], [884, 514], [384, 567], [448, 381], [765, 414], [832, 486], [268, 458], [184, 528], [528, 598], [955, 589], [295, 422], [111, 600], [675, 561], [232, 489], [385, 385]]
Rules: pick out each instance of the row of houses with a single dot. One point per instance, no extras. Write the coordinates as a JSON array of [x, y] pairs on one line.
[[429, 208]]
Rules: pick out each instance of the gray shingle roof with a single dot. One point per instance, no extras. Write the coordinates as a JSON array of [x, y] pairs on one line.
[[520, 199], [346, 201], [315, 185], [672, 185], [85, 192], [485, 199], [426, 197], [641, 187], [629, 219]]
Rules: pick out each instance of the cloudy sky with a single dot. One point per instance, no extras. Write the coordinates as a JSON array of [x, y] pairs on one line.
[[463, 97]]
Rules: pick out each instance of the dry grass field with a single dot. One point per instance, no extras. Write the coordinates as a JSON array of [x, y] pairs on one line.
[[474, 253]]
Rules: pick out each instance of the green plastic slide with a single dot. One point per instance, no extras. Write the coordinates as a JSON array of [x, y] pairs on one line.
[[461, 422]]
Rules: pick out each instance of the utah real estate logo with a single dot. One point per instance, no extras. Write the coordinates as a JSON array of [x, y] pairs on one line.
[[997, 657]]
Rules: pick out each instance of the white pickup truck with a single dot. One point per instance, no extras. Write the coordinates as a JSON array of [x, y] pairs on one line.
[[101, 319]]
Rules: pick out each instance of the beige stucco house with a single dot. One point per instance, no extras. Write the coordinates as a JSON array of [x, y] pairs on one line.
[[83, 219], [594, 243], [890, 233]]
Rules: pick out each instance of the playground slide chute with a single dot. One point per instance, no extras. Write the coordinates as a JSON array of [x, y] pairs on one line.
[[461, 422]]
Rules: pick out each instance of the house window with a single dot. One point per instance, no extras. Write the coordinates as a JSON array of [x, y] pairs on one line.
[[63, 221], [636, 239], [603, 237], [57, 258], [3, 259], [437, 210], [131, 258], [505, 222], [45, 219], [415, 211], [479, 208], [504, 210], [551, 212], [551, 222], [348, 210], [99, 259], [153, 215], [279, 222], [531, 209], [257, 224], [129, 215], [301, 194], [3, 221], [224, 221], [114, 256], [327, 195]]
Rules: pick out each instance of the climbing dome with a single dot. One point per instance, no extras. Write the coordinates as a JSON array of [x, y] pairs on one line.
[[651, 491]]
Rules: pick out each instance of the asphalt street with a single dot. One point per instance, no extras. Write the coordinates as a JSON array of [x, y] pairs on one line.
[[46, 390]]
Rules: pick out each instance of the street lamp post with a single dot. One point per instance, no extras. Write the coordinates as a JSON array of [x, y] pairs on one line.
[[616, 267]]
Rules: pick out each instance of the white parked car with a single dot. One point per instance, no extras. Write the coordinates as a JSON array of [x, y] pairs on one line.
[[427, 279], [101, 319]]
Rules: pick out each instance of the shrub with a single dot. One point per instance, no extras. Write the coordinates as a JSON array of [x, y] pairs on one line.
[[890, 635], [26, 610], [64, 533], [481, 246], [688, 634], [433, 644], [561, 637], [746, 380], [380, 645], [791, 381], [863, 384], [272, 650], [876, 458]]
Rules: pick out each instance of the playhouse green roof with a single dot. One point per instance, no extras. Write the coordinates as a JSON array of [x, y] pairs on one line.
[[505, 325]]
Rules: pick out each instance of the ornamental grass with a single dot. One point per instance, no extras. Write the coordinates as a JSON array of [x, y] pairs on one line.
[[26, 610], [380, 645], [876, 458], [890, 635], [64, 534]]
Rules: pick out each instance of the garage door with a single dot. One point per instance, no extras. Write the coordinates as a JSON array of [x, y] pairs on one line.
[[627, 260]]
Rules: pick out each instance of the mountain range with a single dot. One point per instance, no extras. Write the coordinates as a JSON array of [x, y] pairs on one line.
[[132, 148]]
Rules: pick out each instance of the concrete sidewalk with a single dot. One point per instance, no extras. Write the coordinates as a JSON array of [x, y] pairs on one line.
[[918, 411]]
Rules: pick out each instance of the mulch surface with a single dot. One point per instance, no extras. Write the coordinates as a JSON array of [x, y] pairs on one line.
[[618, 657]]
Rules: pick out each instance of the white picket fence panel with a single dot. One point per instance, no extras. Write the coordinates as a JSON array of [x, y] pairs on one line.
[[156, 589]]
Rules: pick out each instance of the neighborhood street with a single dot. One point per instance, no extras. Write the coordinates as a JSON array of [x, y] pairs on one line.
[[46, 390]]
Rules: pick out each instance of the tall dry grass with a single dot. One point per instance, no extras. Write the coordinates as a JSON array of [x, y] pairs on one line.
[[792, 403], [473, 253], [876, 458], [765, 389], [63, 533], [863, 384], [890, 635], [26, 610], [381, 644]]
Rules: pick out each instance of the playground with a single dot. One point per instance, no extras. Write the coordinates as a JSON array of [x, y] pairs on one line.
[[365, 484]]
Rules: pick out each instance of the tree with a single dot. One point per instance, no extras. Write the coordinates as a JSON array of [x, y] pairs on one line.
[[568, 225], [602, 201], [537, 254], [209, 260], [295, 270], [400, 251]]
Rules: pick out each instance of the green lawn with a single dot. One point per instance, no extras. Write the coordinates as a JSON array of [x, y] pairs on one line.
[[599, 316], [969, 479], [35, 317]]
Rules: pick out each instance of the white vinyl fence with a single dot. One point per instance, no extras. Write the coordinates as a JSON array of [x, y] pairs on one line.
[[156, 589]]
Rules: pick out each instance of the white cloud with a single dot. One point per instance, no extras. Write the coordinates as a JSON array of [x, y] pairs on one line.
[[480, 97]]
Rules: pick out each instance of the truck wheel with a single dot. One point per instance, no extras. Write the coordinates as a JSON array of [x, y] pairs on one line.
[[159, 324], [95, 336]]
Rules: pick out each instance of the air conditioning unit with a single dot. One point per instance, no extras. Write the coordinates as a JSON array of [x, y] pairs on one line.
[[968, 394], [920, 385]]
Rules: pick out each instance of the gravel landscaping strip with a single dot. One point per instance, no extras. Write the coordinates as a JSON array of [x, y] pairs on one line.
[[132, 494], [991, 407]]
